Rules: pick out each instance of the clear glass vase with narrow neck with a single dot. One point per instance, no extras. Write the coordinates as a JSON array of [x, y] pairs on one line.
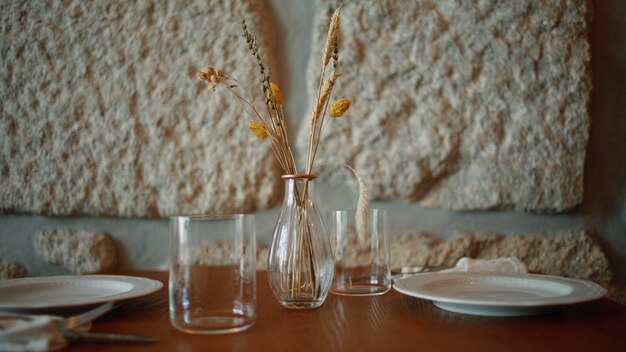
[[300, 264]]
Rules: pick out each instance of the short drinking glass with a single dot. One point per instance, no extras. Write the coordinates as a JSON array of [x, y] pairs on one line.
[[361, 259], [212, 288]]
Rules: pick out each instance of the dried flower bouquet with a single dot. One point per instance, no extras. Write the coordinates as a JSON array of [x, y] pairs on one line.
[[300, 264], [271, 124]]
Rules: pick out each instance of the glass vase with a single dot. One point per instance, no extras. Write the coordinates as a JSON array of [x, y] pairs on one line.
[[300, 264]]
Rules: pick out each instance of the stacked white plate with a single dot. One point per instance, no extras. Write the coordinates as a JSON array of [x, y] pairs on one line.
[[498, 294], [71, 291]]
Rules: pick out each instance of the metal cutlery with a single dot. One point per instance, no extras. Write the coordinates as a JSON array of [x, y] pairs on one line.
[[74, 327], [68, 328], [410, 271], [89, 336], [71, 323], [64, 323]]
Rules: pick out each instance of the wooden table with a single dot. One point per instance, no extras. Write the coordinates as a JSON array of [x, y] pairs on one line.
[[392, 322]]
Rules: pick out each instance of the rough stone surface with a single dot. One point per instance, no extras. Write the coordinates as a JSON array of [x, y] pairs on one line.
[[221, 252], [11, 270], [79, 251], [102, 113], [462, 104], [567, 254], [571, 254]]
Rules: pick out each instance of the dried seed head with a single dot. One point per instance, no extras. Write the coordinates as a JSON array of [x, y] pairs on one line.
[[258, 129], [253, 47], [212, 76], [339, 107], [331, 39], [336, 54], [333, 77], [203, 76], [276, 96], [319, 108]]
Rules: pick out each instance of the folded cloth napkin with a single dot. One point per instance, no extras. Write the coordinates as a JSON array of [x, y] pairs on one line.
[[29, 333], [500, 265]]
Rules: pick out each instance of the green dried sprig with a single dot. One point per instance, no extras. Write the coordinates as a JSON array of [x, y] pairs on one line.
[[253, 47]]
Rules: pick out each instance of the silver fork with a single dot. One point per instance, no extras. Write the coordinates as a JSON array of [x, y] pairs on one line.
[[67, 327], [395, 275], [71, 323], [426, 268]]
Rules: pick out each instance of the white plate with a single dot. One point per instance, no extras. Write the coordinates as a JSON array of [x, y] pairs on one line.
[[71, 291], [498, 294]]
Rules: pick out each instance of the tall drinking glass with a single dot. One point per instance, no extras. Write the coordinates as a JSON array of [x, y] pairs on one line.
[[212, 288], [361, 259]]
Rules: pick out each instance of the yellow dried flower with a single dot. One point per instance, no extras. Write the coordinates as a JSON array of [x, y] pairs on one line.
[[339, 107], [258, 129], [203, 76], [211, 75], [278, 97]]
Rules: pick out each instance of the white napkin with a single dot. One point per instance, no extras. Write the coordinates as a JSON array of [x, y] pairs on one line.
[[499, 265], [29, 333]]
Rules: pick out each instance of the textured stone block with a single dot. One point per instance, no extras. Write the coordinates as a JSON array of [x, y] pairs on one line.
[[462, 104], [216, 253], [79, 251], [572, 254], [11, 270], [102, 113]]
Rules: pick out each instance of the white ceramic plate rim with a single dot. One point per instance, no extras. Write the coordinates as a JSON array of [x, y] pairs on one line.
[[581, 290], [141, 286]]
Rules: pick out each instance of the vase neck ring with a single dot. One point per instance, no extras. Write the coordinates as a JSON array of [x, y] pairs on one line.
[[298, 176]]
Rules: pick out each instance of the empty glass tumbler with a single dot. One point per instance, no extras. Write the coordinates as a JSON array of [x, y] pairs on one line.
[[212, 288], [361, 255]]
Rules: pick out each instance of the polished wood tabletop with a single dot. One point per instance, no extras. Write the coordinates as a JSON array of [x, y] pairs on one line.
[[392, 322]]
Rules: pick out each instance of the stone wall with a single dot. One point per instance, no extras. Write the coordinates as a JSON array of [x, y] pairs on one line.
[[131, 129], [102, 113], [462, 105]]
